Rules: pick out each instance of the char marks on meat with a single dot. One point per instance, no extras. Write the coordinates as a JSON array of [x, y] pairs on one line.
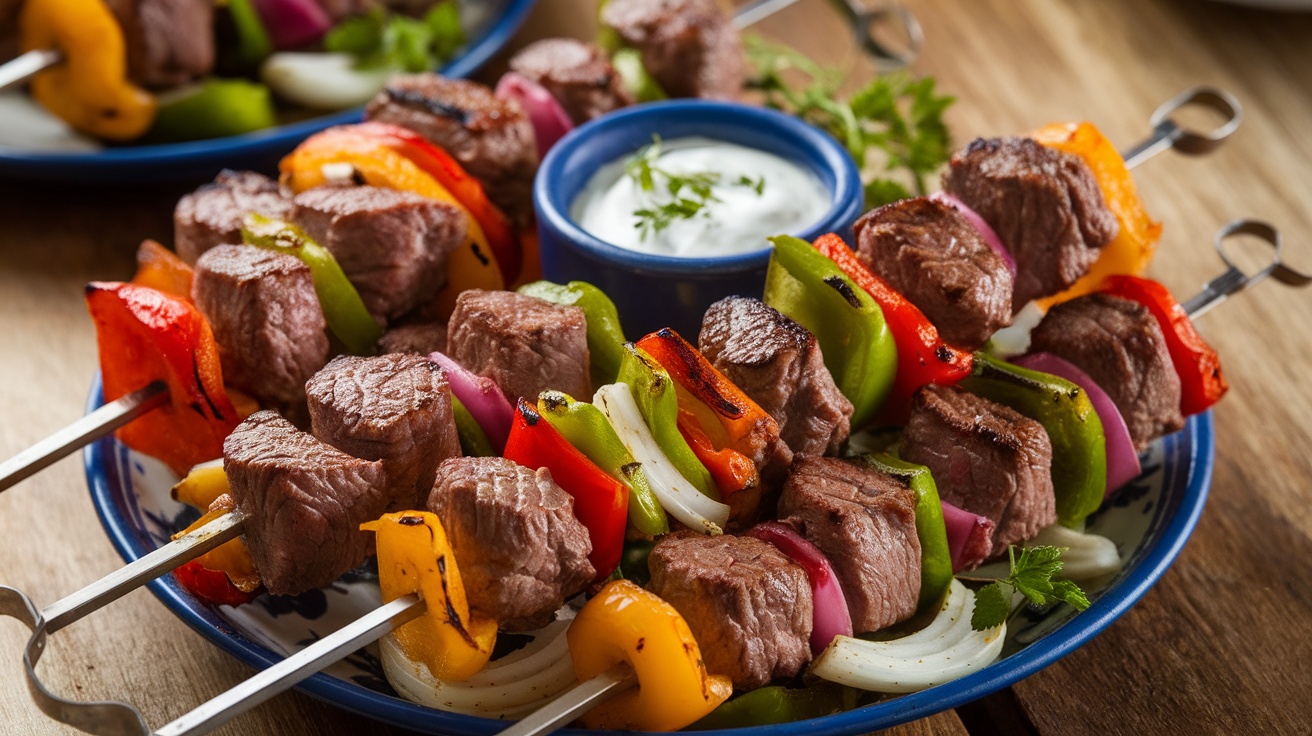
[[169, 42], [524, 344], [212, 214], [392, 245], [747, 604], [865, 523], [521, 550], [394, 408], [689, 46], [304, 502], [986, 458], [932, 255], [1119, 344], [421, 338], [266, 319], [1044, 204], [491, 137], [577, 74], [778, 363]]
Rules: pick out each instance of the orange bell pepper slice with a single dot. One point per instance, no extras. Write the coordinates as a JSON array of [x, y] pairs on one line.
[[1134, 245], [731, 470], [160, 268], [145, 335]]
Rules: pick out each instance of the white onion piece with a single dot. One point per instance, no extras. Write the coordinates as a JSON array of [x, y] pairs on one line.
[[510, 687], [321, 81], [30, 127], [985, 231], [1087, 556], [1014, 339], [679, 497], [550, 121], [945, 650]]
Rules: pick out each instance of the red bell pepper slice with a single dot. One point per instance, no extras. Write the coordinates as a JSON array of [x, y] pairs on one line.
[[144, 335], [601, 503], [922, 356], [1201, 381], [731, 470], [212, 586], [448, 172]]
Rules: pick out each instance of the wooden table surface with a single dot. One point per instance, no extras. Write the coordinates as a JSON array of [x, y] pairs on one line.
[[1223, 644]]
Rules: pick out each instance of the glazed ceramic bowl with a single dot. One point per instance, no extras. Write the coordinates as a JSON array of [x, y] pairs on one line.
[[654, 291]]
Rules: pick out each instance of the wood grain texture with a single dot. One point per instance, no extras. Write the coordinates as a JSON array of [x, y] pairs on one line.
[[1223, 644]]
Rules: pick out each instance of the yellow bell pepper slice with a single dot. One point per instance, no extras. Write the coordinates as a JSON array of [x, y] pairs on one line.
[[470, 267], [624, 623], [203, 484], [89, 89], [231, 558], [1134, 245], [414, 556]]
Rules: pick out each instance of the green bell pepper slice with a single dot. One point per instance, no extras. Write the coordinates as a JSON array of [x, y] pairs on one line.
[[653, 391], [212, 109], [253, 43], [858, 348], [473, 440], [935, 555], [605, 336], [345, 313], [1079, 457], [635, 77], [584, 426], [777, 704]]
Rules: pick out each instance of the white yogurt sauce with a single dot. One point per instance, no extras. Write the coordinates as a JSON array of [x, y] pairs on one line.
[[792, 200]]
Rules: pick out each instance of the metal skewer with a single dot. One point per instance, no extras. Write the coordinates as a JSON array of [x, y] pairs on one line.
[[863, 21], [25, 66]]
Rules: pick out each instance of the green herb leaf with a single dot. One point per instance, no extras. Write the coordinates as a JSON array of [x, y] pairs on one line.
[[1033, 575], [642, 169], [992, 606], [379, 39]]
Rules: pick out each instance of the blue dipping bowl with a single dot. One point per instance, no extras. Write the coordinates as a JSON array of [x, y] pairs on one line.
[[653, 291]]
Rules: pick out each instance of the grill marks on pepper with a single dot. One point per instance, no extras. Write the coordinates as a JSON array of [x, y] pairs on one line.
[[452, 617], [844, 290], [200, 386], [701, 385]]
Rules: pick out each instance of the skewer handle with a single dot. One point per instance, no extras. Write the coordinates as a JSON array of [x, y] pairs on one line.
[[288, 672], [25, 66], [1234, 280], [1167, 134], [89, 428], [575, 702], [863, 20]]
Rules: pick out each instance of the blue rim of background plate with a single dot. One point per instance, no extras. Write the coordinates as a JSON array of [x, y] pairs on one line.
[[1189, 459], [172, 161]]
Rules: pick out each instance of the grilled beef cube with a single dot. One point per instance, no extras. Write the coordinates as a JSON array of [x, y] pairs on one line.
[[778, 363], [491, 137], [865, 523], [169, 42], [212, 215], [394, 408], [304, 502], [1119, 344], [524, 344], [689, 46], [392, 245], [986, 458], [748, 605], [266, 320], [1044, 204], [421, 338], [932, 255], [521, 550], [577, 74]]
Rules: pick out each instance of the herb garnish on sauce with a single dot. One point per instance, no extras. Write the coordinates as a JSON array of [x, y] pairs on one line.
[[689, 193]]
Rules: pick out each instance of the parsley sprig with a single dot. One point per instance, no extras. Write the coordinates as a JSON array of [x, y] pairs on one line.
[[893, 127], [688, 194], [379, 39], [1032, 575]]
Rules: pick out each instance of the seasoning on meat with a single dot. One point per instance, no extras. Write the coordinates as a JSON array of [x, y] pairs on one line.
[[266, 319], [1119, 344], [522, 552], [865, 523], [421, 338], [212, 214], [932, 255], [986, 459], [524, 344], [1044, 204], [778, 363], [169, 42], [689, 46], [577, 74], [491, 137], [304, 502], [394, 408], [392, 245], [748, 605]]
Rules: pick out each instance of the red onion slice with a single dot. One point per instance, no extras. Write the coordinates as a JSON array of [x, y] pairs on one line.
[[550, 121], [1122, 460], [980, 226], [830, 617], [292, 24], [970, 537], [481, 397]]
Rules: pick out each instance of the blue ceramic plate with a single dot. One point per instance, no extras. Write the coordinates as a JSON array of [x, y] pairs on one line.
[[200, 160], [1149, 521]]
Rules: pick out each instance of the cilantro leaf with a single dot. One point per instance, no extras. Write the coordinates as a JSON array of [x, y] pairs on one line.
[[1033, 575], [688, 194], [992, 606], [379, 39]]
